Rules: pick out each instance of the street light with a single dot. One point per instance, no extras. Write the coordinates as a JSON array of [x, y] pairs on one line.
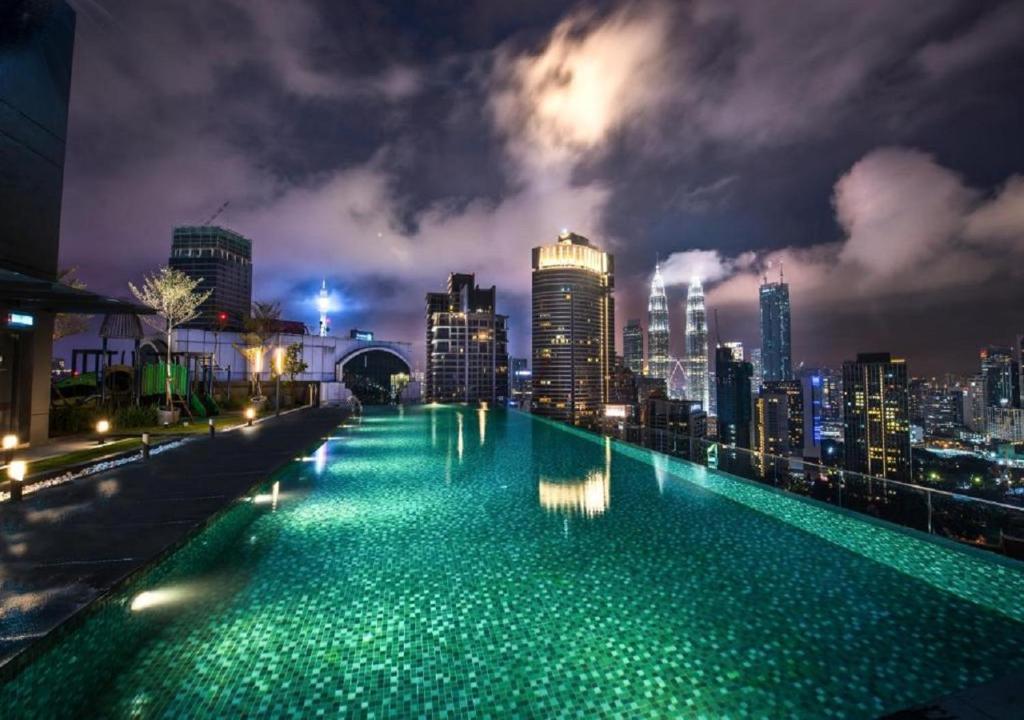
[[9, 443], [102, 428], [278, 371], [250, 413]]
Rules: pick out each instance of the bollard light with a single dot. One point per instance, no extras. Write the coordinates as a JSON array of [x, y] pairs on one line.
[[102, 428], [10, 442], [145, 446], [16, 474], [211, 427], [250, 413]]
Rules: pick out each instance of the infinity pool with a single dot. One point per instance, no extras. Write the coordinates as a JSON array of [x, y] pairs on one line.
[[450, 562]]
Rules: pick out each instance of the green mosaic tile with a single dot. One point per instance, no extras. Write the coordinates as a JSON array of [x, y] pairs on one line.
[[454, 563]]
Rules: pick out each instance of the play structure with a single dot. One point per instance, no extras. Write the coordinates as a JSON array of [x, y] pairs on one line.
[[102, 376]]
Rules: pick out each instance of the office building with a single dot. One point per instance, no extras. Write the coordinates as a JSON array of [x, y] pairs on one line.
[[732, 388], [755, 362], [972, 398], [520, 382], [1001, 373], [776, 355], [657, 329], [35, 81], [669, 426], [794, 391], [633, 347], [573, 329], [696, 358], [771, 422], [467, 344], [1005, 424], [822, 409], [223, 260], [876, 418]]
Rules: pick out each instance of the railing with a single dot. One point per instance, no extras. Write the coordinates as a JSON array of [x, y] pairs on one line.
[[975, 521]]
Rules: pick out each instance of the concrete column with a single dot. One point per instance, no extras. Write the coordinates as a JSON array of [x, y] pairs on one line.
[[39, 393]]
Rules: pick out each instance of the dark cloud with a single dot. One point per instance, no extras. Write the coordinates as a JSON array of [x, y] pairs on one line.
[[384, 144]]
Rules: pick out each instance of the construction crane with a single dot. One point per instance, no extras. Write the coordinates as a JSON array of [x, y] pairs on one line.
[[217, 214]]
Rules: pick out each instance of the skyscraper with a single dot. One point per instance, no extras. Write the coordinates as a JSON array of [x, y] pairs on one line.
[[657, 328], [223, 259], [732, 388], [776, 355], [1001, 374], [755, 361], [793, 389], [771, 422], [573, 329], [633, 347], [467, 344], [876, 421], [696, 360]]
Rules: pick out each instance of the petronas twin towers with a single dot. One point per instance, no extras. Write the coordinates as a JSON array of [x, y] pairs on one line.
[[695, 361]]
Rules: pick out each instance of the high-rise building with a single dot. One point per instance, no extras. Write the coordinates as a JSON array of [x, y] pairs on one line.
[[573, 329], [36, 49], [520, 382], [696, 359], [736, 347], [822, 409], [223, 260], [669, 426], [732, 388], [657, 329], [876, 420], [1005, 423], [776, 355], [755, 362], [794, 391], [972, 394], [771, 422], [467, 344], [633, 347], [1001, 373]]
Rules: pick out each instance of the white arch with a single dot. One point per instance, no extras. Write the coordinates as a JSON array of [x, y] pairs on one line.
[[344, 359]]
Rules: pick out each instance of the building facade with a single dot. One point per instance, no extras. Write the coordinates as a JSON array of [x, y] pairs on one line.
[[669, 426], [657, 328], [633, 347], [876, 417], [776, 354], [467, 344], [573, 329], [223, 260], [696, 359], [771, 422], [794, 392], [1001, 374], [732, 388]]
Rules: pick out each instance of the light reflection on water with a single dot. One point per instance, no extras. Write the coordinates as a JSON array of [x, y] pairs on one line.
[[589, 496]]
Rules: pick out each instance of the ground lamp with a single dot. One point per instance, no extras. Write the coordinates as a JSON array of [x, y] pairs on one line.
[[16, 474], [9, 443], [250, 413], [102, 428]]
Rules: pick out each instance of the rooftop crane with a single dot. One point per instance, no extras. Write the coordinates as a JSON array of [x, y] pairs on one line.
[[217, 214]]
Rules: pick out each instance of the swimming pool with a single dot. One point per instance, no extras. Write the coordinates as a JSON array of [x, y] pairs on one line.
[[448, 561]]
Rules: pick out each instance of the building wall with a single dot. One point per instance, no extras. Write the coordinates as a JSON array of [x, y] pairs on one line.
[[223, 260], [876, 425]]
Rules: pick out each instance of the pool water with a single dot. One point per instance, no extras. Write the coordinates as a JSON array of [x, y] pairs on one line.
[[453, 562]]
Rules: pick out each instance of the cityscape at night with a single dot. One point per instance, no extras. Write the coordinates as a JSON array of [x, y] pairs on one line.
[[603, 358]]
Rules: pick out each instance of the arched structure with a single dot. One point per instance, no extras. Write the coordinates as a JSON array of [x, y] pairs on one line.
[[376, 374]]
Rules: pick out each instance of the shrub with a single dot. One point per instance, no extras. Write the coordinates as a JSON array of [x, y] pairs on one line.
[[133, 417], [71, 419]]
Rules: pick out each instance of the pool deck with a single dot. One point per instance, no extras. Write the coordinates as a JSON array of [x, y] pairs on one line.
[[64, 546]]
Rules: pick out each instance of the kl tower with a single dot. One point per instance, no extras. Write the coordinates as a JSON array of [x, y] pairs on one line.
[[323, 304]]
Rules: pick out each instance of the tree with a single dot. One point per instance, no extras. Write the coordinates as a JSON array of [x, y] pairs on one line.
[[174, 297], [67, 324], [293, 362], [259, 328]]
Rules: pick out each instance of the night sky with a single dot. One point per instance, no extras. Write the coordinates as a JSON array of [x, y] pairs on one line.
[[875, 149]]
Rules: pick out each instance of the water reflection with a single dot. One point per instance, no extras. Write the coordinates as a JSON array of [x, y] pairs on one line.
[[588, 493], [320, 459], [481, 417], [460, 443]]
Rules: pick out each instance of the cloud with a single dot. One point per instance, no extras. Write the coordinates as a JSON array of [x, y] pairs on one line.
[[994, 32], [911, 227], [707, 265]]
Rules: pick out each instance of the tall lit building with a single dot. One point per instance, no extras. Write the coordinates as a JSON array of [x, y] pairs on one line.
[[223, 260], [573, 329], [657, 329], [696, 359], [876, 423], [732, 388], [771, 422], [822, 409], [1001, 373], [633, 347], [755, 361], [794, 392], [776, 355], [972, 397], [467, 344]]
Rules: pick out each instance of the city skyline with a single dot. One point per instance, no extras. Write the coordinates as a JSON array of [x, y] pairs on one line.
[[384, 209]]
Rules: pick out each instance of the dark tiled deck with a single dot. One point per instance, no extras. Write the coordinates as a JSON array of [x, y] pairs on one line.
[[64, 546]]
